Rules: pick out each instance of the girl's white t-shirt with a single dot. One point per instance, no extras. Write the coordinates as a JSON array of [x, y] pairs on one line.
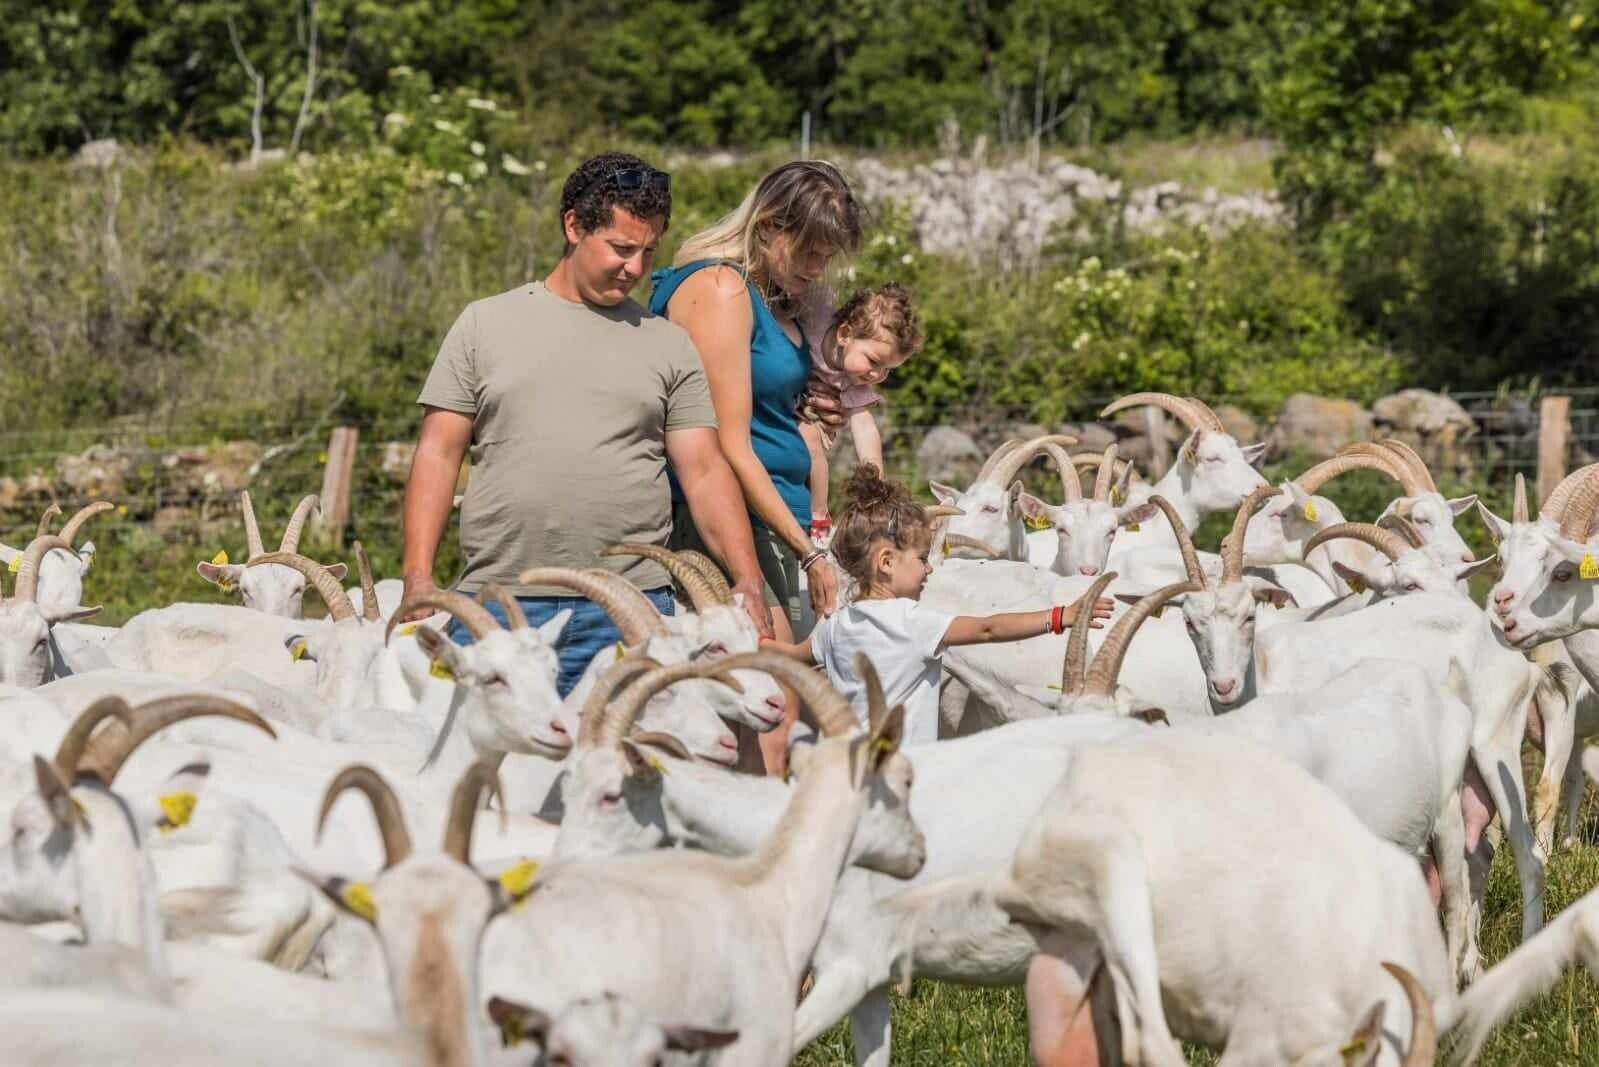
[[901, 638]]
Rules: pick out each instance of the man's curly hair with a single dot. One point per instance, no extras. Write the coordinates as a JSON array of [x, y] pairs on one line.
[[591, 191]]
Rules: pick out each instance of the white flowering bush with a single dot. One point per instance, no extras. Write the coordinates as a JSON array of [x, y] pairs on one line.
[[458, 135]]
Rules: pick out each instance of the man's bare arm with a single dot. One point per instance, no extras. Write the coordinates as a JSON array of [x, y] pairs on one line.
[[429, 494], [717, 504]]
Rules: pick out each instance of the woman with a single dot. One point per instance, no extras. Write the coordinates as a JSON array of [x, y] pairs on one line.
[[736, 288]]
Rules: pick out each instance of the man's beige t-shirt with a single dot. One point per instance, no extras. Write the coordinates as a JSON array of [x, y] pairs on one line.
[[570, 408]]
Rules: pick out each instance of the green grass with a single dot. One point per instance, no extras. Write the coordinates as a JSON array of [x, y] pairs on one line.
[[947, 1024]]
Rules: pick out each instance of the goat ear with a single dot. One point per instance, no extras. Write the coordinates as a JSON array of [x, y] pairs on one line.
[[1253, 454], [448, 659], [56, 793], [225, 575], [1356, 580], [354, 898], [1033, 508], [638, 759], [886, 734], [1462, 504], [551, 631], [1135, 516], [518, 1022], [1476, 567], [1498, 529], [1014, 492], [179, 795], [1266, 592], [1365, 1044], [338, 570], [945, 494], [696, 1039], [71, 614], [300, 648], [1152, 716]]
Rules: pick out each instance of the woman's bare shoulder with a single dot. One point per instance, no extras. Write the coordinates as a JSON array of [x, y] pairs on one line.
[[717, 285]]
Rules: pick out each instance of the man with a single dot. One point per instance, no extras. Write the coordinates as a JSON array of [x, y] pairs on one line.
[[572, 399]]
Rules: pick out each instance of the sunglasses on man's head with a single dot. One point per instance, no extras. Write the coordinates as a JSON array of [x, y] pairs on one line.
[[632, 179]]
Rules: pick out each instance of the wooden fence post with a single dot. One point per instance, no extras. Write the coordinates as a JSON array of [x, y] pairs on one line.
[[1159, 447], [337, 477], [1554, 433]]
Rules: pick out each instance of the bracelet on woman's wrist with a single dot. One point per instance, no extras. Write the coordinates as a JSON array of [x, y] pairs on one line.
[[810, 558]]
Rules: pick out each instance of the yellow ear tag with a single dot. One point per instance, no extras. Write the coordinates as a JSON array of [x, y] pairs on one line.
[[621, 650], [518, 881], [1115, 496], [221, 558], [1036, 522], [660, 768], [15, 564], [1310, 511], [297, 651], [357, 896], [407, 630], [510, 1032], [1132, 527], [1588, 569], [1356, 584], [176, 810], [1190, 456], [441, 671]]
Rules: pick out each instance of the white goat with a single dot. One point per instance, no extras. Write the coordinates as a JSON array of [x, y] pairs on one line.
[[988, 518], [274, 590], [25, 622], [1076, 537], [61, 571]]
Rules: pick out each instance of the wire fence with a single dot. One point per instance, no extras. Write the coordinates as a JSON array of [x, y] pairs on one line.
[[150, 467]]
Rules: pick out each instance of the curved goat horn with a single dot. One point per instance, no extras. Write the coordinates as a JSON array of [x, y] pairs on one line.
[[614, 678], [1519, 512], [27, 587], [934, 512], [107, 750], [1071, 489], [1556, 503], [1232, 547], [69, 532], [1101, 677], [474, 616], [1005, 449], [1402, 525], [252, 529], [1212, 420], [1185, 542], [618, 719], [1107, 473], [332, 593], [962, 541], [1006, 470], [1313, 479], [291, 533], [700, 593], [1181, 407], [515, 617], [712, 572], [1576, 515], [1392, 464], [1423, 1026], [369, 588], [69, 751], [385, 809], [44, 520], [1412, 459], [481, 776], [1387, 542], [615, 596], [1074, 669]]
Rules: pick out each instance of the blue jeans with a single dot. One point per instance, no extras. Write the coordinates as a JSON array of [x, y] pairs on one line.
[[587, 631]]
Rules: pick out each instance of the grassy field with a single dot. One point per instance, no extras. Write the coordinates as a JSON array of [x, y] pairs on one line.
[[946, 1024]]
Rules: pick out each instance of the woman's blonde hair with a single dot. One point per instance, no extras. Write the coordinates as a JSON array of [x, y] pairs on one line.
[[809, 199]]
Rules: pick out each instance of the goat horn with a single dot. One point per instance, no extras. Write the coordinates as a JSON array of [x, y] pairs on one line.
[[962, 541], [1313, 479], [1182, 408], [1518, 513], [614, 678], [1557, 500], [73, 743], [515, 617], [712, 572], [626, 708], [1107, 474], [1232, 547], [1006, 470], [333, 594], [699, 591], [385, 809], [934, 512], [1071, 489], [832, 711], [615, 595], [69, 532], [1576, 516], [27, 587], [1185, 542], [1075, 667], [1423, 1026], [369, 589], [474, 616], [106, 751], [252, 530], [1101, 677], [463, 808], [1393, 465], [1387, 542], [291, 533], [1402, 525], [994, 457], [44, 520], [1212, 420], [1411, 459]]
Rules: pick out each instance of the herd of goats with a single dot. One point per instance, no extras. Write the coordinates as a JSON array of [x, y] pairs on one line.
[[1262, 820]]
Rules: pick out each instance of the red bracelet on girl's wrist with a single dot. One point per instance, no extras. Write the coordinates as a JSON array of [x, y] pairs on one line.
[[1057, 619]]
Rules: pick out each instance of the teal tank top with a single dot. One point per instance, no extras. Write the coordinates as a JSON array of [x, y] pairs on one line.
[[778, 370]]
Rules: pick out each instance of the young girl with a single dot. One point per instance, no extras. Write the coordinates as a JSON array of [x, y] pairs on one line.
[[882, 542], [851, 351]]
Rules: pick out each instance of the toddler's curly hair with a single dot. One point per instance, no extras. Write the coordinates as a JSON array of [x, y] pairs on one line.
[[876, 509], [884, 309]]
